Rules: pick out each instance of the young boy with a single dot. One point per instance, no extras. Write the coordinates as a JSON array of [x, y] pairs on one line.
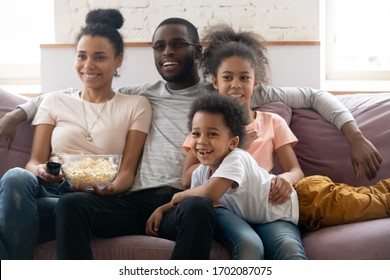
[[227, 175]]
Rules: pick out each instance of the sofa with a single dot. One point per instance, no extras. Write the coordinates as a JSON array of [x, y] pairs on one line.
[[321, 150]]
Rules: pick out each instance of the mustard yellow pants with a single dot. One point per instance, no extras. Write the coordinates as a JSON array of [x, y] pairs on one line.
[[325, 203]]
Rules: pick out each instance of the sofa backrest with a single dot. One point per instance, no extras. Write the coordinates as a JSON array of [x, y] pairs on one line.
[[322, 149], [20, 151]]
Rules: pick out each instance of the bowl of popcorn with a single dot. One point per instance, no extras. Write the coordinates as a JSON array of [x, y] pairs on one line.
[[84, 171]]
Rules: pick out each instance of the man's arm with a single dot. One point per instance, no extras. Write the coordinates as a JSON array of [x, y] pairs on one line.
[[8, 125], [365, 157], [24, 112], [325, 103]]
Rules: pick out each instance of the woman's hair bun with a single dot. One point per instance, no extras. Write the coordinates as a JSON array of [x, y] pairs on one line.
[[110, 17]]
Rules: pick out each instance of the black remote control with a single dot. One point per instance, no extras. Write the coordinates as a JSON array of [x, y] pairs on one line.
[[53, 167]]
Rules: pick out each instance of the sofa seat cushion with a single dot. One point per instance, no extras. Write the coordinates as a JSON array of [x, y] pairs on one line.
[[357, 241], [134, 247]]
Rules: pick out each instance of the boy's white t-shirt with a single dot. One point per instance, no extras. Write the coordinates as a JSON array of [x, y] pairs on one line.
[[250, 199]]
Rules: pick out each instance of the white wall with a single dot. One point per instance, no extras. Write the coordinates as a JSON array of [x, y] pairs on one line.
[[275, 20], [290, 66]]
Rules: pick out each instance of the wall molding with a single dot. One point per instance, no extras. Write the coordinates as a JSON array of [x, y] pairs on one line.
[[148, 44]]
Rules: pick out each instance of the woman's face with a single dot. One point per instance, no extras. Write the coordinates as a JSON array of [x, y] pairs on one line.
[[236, 77], [96, 62]]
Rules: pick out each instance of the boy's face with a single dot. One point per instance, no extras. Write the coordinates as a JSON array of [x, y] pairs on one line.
[[211, 139], [236, 77], [175, 64]]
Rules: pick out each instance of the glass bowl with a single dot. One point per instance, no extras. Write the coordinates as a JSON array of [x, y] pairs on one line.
[[83, 171]]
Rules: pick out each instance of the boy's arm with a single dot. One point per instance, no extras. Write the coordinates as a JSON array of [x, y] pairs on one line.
[[213, 190], [365, 157]]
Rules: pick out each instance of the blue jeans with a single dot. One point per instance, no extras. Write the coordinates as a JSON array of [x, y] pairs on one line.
[[26, 213], [275, 240]]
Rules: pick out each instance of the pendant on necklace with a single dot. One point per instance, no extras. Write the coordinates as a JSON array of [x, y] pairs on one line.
[[89, 137]]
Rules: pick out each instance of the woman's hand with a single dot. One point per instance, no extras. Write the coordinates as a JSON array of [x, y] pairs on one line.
[[42, 173], [107, 191], [281, 189]]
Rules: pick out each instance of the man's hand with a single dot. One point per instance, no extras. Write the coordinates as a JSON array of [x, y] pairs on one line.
[[365, 158], [153, 223], [8, 125]]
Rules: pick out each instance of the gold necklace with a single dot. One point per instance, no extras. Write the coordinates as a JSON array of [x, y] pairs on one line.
[[88, 135]]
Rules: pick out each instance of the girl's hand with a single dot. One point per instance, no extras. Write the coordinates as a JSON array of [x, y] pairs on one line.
[[280, 191], [153, 223]]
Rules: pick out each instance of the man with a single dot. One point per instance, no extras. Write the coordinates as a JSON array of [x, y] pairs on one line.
[[176, 48]]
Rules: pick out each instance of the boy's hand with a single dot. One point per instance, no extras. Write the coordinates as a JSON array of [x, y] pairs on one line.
[[153, 223]]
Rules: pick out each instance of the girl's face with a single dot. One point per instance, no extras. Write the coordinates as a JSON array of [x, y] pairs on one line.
[[211, 139], [236, 77], [96, 62]]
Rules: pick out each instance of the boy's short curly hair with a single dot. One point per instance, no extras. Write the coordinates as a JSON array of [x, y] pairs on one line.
[[230, 109]]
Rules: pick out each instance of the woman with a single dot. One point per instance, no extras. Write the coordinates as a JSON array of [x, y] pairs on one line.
[[95, 120]]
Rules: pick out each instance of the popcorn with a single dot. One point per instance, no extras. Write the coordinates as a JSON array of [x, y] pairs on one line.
[[90, 172]]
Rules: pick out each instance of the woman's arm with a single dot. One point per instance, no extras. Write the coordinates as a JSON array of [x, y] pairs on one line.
[[282, 185], [131, 156]]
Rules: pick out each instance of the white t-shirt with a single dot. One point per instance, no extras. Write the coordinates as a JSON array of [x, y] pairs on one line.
[[249, 199], [121, 114]]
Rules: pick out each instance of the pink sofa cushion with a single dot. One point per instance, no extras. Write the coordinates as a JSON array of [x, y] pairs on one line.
[[367, 240], [278, 108], [21, 147], [322, 149], [131, 247]]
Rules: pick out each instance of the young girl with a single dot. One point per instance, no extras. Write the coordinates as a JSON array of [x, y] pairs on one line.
[[227, 175], [238, 64]]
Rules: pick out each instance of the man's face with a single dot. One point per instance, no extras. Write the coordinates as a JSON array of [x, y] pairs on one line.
[[174, 55]]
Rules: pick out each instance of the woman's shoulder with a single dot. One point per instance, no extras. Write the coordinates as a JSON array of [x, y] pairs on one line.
[[59, 95]]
